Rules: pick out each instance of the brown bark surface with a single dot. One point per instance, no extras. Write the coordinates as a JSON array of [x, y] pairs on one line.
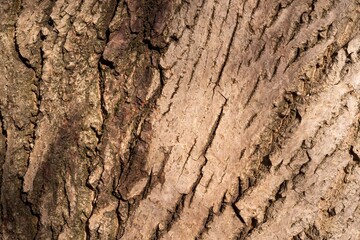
[[132, 119]]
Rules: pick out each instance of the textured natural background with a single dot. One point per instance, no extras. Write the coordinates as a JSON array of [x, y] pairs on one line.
[[176, 119]]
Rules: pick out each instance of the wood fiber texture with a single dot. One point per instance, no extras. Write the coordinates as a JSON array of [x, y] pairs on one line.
[[133, 119]]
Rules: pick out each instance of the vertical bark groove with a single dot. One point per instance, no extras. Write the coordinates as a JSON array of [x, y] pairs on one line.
[[129, 119]]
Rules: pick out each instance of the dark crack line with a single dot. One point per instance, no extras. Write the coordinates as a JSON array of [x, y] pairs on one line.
[[240, 191], [210, 181], [237, 199], [121, 221], [205, 45], [68, 201], [354, 155], [237, 213], [214, 129], [178, 210], [148, 186], [24, 199], [176, 88], [226, 15], [161, 173], [223, 203], [274, 17], [187, 158], [2, 158], [172, 218], [27, 64], [102, 77], [87, 224], [255, 8], [167, 110], [276, 66], [261, 52], [38, 114], [296, 57], [148, 107], [209, 219], [24, 60], [104, 111], [252, 91], [194, 69], [105, 114], [217, 56], [206, 148], [231, 42], [295, 31], [38, 75], [242, 154], [250, 121], [197, 181], [278, 42], [197, 15], [271, 202], [3, 128]]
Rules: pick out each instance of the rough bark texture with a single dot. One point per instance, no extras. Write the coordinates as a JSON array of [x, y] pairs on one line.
[[177, 119]]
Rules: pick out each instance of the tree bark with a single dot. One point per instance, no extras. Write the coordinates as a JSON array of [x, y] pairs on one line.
[[175, 119]]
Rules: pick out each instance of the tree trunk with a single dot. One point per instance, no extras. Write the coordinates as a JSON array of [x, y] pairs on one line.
[[158, 119]]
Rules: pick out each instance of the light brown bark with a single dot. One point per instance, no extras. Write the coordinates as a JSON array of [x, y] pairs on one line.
[[180, 120]]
